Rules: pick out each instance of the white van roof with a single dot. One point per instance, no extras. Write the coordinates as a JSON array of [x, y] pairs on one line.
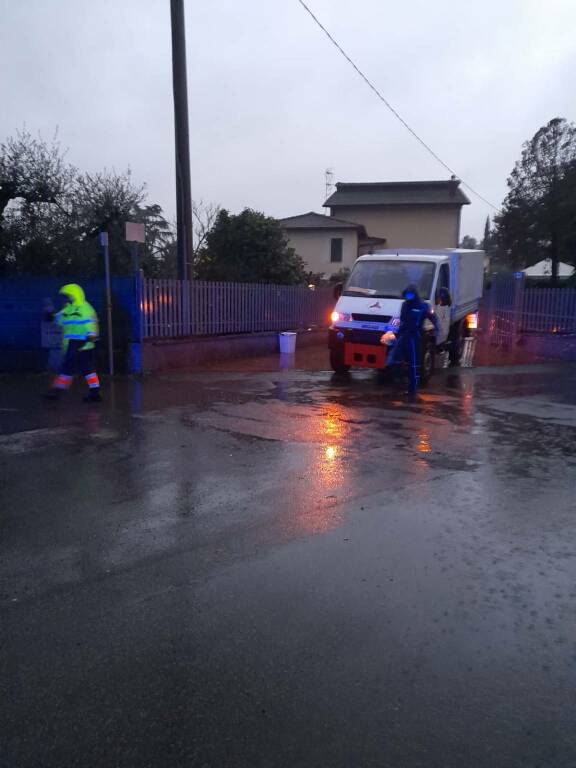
[[414, 254]]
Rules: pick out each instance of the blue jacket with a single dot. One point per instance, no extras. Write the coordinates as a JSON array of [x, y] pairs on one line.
[[412, 316]]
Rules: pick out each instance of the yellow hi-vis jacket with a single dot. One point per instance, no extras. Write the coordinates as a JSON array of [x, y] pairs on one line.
[[78, 320]]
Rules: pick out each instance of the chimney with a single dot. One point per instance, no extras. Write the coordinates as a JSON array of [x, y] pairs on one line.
[[454, 183]]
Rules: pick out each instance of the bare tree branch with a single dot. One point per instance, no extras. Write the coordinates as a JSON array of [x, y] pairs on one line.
[[204, 216]]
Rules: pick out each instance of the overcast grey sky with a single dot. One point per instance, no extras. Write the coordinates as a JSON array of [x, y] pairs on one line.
[[272, 103]]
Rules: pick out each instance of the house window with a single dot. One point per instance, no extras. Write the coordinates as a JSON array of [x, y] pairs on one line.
[[336, 249]]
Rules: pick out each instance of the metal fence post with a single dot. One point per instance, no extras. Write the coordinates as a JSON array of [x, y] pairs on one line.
[[137, 324], [170, 308], [517, 306]]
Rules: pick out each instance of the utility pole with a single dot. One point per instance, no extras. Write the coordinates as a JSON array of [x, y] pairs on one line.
[[183, 189]]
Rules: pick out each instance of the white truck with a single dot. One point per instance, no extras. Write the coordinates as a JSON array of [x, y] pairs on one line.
[[368, 307]]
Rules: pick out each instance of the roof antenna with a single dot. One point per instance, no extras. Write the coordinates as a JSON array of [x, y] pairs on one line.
[[329, 178]]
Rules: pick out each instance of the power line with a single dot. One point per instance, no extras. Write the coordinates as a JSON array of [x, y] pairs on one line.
[[389, 106]]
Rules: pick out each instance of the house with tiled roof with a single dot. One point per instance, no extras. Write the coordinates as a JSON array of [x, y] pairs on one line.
[[326, 243], [367, 216], [409, 214]]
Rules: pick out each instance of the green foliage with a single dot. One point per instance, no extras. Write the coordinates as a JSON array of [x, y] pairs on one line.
[[248, 248], [50, 216], [490, 247], [341, 276], [538, 218], [469, 242], [487, 239], [321, 279], [159, 257]]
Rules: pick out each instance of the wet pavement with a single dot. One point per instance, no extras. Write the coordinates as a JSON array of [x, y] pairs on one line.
[[265, 565]]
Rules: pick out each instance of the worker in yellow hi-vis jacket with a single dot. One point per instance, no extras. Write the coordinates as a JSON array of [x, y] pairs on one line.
[[79, 323]]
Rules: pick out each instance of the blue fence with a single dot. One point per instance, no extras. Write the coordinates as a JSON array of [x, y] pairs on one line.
[[150, 309], [21, 310]]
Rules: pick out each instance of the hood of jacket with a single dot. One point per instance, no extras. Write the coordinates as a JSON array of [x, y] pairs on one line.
[[74, 292]]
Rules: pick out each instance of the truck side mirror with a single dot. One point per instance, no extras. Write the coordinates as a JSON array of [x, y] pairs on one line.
[[338, 288], [443, 298]]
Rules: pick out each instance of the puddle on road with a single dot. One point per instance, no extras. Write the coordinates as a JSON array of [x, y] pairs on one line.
[[536, 407], [34, 439]]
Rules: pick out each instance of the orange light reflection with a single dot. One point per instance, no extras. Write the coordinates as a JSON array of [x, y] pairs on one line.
[[423, 445], [319, 509]]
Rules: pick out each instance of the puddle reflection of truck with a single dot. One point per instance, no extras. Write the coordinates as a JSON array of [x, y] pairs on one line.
[[368, 307]]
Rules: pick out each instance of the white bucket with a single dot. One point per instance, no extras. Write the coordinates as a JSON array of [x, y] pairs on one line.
[[287, 342]]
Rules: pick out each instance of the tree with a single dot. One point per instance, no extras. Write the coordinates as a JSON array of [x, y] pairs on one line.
[[204, 217], [32, 170], [34, 180], [50, 216], [104, 201], [469, 242], [159, 258], [248, 248], [537, 219], [489, 246], [486, 240], [341, 276]]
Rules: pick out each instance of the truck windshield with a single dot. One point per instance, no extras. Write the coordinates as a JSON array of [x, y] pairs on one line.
[[387, 279]]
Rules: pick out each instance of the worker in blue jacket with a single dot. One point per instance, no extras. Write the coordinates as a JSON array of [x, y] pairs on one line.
[[408, 346]]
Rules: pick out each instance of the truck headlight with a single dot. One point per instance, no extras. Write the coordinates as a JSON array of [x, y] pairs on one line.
[[342, 317]]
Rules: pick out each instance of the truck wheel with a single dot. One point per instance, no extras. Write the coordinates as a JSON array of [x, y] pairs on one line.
[[427, 360], [457, 334], [337, 361]]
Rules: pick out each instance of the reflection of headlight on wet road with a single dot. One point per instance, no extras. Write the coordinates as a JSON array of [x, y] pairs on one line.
[[423, 445]]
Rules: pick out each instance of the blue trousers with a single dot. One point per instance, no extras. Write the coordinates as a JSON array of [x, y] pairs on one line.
[[406, 350], [77, 361]]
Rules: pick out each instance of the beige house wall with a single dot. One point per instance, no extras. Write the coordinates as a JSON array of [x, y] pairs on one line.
[[407, 226], [313, 246]]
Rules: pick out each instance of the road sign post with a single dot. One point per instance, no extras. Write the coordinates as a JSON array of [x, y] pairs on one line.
[[136, 233], [104, 244]]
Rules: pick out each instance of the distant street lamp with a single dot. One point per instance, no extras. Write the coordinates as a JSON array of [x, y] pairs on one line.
[[183, 187]]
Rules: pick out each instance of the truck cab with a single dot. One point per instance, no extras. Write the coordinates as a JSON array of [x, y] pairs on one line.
[[368, 310]]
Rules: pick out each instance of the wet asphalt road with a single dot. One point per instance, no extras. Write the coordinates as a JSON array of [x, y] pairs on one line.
[[268, 568]]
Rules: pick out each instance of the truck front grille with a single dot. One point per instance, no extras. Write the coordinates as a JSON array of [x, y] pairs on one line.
[[358, 336], [372, 318]]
